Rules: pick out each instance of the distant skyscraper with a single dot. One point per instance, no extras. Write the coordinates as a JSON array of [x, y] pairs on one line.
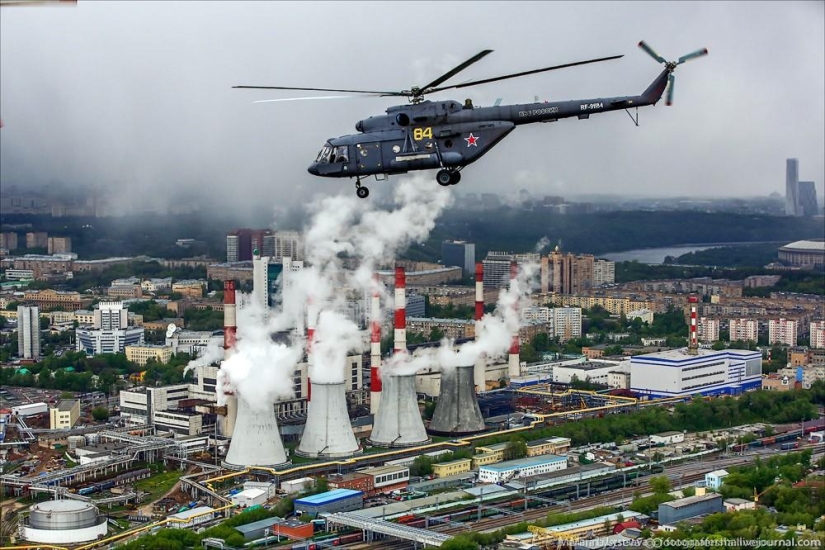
[[232, 244], [244, 241], [792, 188], [807, 198], [28, 332], [459, 253]]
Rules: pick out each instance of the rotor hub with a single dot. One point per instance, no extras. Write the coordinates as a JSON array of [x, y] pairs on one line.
[[671, 66]]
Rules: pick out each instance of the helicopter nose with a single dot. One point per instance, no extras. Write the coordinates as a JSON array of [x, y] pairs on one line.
[[313, 169]]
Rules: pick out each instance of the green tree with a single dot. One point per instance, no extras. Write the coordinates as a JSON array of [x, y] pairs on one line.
[[100, 414], [422, 466], [660, 484], [516, 448]]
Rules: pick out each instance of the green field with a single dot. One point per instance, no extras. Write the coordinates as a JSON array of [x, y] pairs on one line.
[[159, 484]]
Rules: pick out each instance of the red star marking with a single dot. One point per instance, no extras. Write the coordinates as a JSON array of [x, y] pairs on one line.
[[471, 140]]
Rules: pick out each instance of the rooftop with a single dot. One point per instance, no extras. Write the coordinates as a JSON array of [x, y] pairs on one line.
[[524, 463], [681, 355], [690, 501], [66, 405], [329, 496]]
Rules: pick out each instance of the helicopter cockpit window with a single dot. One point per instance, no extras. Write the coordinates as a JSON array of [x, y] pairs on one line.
[[339, 154], [323, 156]]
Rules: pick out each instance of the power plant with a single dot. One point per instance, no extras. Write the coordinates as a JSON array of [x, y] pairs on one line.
[[398, 422], [256, 441], [375, 348], [479, 374], [328, 432], [230, 329], [457, 411]]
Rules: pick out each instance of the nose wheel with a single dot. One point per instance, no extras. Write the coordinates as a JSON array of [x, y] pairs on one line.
[[447, 177], [360, 190]]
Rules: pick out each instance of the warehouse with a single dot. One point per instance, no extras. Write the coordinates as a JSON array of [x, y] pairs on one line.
[[190, 518], [690, 507], [282, 528], [339, 500], [525, 467], [249, 497]]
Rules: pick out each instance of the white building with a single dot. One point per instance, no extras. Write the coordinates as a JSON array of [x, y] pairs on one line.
[[596, 371], [714, 480], [139, 405], [249, 497], [190, 518], [818, 334], [782, 331], [524, 467], [667, 438], [110, 332], [644, 314], [156, 285], [744, 329], [564, 323], [28, 332], [708, 330], [193, 342], [261, 285], [677, 373], [604, 272], [64, 415]]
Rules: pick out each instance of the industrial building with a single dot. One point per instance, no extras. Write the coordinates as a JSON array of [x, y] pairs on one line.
[[690, 507], [249, 497], [64, 415], [524, 467], [63, 522], [338, 500], [190, 518], [677, 373], [293, 529], [451, 468]]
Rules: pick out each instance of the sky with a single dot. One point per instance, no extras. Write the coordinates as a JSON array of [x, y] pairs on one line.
[[136, 97]]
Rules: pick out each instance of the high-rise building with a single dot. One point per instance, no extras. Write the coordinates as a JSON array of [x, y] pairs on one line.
[[59, 245], [8, 241], [807, 199], [37, 239], [28, 332], [567, 323], [604, 272], [496, 269], [110, 332], [245, 241], [792, 187], [566, 273], [782, 331], [818, 334], [459, 253], [286, 244], [708, 330], [744, 329]]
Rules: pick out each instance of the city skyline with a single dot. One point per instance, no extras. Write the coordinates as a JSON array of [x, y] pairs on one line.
[[124, 115]]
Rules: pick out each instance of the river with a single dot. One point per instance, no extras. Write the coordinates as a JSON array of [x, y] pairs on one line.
[[657, 255]]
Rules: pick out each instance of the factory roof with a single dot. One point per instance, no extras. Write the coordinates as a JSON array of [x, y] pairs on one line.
[[266, 523], [377, 471], [681, 355], [690, 501], [249, 493], [193, 512], [627, 514], [66, 404], [524, 463], [553, 440], [328, 497], [485, 490]]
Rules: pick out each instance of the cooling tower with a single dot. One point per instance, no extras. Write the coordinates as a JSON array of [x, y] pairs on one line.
[[457, 411], [328, 432], [255, 441], [398, 422]]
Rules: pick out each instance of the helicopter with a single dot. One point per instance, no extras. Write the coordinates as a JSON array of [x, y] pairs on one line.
[[448, 135]]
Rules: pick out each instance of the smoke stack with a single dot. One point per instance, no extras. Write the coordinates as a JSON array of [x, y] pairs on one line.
[[479, 371], [693, 341], [375, 349], [256, 441], [312, 318], [513, 363], [328, 432], [230, 329], [398, 422], [457, 411], [400, 336]]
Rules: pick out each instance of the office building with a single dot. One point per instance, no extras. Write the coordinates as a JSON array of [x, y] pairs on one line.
[[497, 267], [807, 199], [461, 254], [782, 331], [64, 415], [792, 206], [28, 332], [110, 332], [240, 243], [677, 373], [818, 334], [566, 273], [743, 330], [708, 330], [142, 354]]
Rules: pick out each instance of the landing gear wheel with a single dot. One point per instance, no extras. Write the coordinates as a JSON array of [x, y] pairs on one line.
[[455, 177], [444, 178], [362, 192]]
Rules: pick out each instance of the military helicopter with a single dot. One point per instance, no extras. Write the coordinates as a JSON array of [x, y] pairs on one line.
[[449, 135]]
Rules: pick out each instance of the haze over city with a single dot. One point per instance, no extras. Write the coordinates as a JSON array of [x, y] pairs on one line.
[[136, 97]]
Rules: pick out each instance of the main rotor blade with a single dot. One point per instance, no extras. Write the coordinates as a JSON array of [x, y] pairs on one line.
[[317, 90], [671, 83], [314, 97], [652, 53], [692, 55], [525, 73], [455, 71]]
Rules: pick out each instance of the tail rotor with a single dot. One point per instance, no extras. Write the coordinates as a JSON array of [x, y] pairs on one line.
[[671, 66]]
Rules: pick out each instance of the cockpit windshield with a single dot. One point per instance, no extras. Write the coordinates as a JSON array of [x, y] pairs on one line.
[[330, 154]]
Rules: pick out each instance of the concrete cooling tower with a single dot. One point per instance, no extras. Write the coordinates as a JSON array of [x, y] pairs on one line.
[[328, 432], [255, 440], [457, 411], [398, 422]]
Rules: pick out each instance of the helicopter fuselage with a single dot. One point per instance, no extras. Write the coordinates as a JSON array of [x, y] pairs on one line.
[[449, 135]]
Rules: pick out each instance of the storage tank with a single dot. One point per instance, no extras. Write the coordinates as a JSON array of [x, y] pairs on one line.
[[63, 522]]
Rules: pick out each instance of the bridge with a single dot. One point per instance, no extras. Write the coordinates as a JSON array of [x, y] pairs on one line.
[[397, 530]]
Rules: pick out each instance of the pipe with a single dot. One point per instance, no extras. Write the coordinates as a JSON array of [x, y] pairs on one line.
[[312, 318], [693, 342]]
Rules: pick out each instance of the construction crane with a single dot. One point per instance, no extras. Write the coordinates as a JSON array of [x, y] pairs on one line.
[[545, 538]]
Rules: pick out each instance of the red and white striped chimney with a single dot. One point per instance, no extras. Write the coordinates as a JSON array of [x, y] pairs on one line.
[[400, 334], [693, 341], [230, 323], [312, 318], [375, 348], [479, 374], [514, 366]]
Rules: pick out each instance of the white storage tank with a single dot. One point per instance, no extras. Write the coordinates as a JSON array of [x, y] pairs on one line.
[[63, 522]]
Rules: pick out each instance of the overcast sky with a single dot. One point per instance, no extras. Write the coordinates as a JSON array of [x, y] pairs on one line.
[[137, 96]]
